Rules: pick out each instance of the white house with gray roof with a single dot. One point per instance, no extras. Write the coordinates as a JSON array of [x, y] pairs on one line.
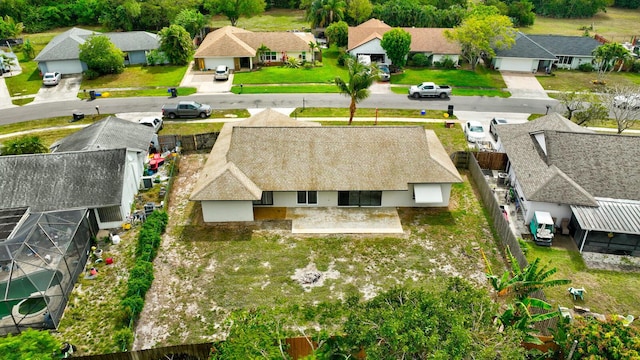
[[62, 53], [271, 160], [577, 174], [533, 53], [70, 180]]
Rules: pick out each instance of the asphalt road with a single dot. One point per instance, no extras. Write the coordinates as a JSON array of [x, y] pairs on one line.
[[233, 101]]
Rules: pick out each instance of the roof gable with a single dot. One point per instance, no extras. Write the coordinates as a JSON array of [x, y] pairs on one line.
[[229, 183], [67, 180], [109, 133]]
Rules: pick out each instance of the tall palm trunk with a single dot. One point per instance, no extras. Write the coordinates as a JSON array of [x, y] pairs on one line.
[[352, 110]]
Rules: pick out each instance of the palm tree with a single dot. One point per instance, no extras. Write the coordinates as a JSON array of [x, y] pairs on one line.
[[312, 47], [323, 12], [360, 79], [263, 49]]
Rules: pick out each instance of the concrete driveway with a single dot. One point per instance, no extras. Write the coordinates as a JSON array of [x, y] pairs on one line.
[[204, 82], [66, 90], [523, 85]]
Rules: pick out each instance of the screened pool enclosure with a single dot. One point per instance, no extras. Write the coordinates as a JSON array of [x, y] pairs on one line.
[[41, 256]]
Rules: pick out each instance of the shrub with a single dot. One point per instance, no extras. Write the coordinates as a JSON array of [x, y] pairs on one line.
[[586, 67], [635, 66], [91, 74], [420, 59], [342, 58], [307, 66], [132, 307], [292, 63], [123, 338], [445, 63]]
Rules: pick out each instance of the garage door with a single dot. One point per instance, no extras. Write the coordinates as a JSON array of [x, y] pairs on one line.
[[65, 66], [212, 63], [515, 64]]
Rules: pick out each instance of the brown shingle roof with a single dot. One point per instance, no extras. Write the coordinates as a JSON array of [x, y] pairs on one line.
[[428, 40], [230, 41], [295, 155]]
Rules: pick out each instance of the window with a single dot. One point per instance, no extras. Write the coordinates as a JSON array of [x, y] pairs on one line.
[[270, 56], [267, 199], [307, 197], [359, 198], [566, 60], [303, 56]]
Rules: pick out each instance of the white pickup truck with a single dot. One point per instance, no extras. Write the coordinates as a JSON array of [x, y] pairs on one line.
[[429, 89]]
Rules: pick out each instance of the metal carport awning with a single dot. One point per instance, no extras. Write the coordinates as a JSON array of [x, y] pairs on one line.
[[427, 193], [612, 215]]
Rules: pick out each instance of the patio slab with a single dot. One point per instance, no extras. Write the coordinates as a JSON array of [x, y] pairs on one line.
[[350, 220]]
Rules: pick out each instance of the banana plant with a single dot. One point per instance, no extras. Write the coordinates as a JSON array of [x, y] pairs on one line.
[[518, 315]]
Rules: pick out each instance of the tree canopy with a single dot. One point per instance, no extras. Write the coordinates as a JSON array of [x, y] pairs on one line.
[[9, 28], [397, 43], [30, 344], [101, 56], [234, 9], [481, 33], [359, 11], [338, 33], [322, 13], [176, 44], [191, 20]]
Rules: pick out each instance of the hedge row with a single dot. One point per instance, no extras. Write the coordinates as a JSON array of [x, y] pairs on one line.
[[141, 275]]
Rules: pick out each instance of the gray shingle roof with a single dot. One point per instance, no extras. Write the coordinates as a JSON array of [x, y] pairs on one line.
[[578, 166], [561, 45], [525, 47], [65, 46], [62, 180], [539, 181], [325, 158], [109, 133]]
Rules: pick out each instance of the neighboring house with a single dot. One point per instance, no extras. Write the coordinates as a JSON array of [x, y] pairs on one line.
[[62, 53], [272, 160], [70, 180], [8, 62], [115, 133], [365, 39], [533, 53], [238, 48], [573, 173]]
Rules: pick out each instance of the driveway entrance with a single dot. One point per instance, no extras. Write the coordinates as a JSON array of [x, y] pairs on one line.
[[523, 85], [352, 220], [66, 90]]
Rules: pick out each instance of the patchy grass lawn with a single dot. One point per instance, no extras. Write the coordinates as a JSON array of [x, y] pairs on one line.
[[133, 76], [270, 20], [608, 292], [479, 79], [284, 89], [573, 80], [404, 90], [48, 123], [204, 272], [616, 24]]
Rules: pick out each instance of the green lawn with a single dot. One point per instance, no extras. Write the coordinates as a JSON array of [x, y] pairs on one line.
[[271, 20], [574, 80], [139, 76], [403, 90], [608, 292], [480, 79]]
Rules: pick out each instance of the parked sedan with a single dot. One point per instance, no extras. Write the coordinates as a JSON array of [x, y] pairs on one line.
[[51, 78], [222, 73], [627, 101], [383, 72], [474, 131]]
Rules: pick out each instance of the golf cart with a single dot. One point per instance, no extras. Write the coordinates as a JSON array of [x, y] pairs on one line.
[[542, 228]]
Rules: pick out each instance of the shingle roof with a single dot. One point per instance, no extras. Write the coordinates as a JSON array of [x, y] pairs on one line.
[[428, 40], [525, 47], [578, 165], [230, 41], [561, 45], [67, 180], [109, 133], [285, 155], [65, 46], [134, 40]]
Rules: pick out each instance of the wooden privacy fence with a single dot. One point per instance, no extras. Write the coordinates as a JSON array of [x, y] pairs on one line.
[[505, 235], [188, 142]]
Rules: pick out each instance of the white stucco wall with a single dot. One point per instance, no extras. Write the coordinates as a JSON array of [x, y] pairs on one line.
[[290, 199], [515, 64], [405, 198], [557, 211], [371, 47], [577, 61], [212, 63], [222, 211]]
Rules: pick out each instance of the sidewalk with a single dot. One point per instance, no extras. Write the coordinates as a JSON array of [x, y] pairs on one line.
[[5, 97]]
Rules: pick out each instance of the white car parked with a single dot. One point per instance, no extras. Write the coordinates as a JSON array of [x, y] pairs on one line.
[[474, 131], [627, 101], [222, 73], [153, 122], [51, 78]]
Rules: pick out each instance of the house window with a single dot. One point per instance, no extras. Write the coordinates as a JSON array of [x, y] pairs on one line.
[[566, 60], [307, 197], [267, 199], [126, 56], [269, 56], [303, 56], [359, 198]]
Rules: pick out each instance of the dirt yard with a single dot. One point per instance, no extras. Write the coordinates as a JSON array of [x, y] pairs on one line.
[[203, 272]]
